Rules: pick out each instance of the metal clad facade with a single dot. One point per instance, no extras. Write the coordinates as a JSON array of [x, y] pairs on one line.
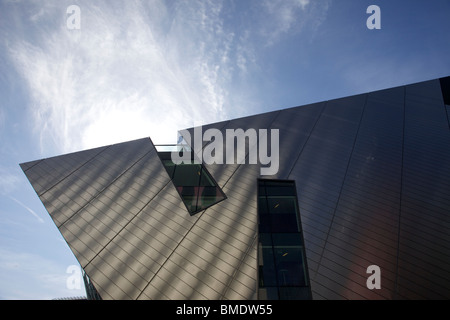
[[372, 173]]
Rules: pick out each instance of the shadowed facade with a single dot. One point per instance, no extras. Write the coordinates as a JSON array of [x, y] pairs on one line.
[[372, 180]]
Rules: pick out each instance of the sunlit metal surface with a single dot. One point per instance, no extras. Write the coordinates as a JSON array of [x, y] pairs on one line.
[[372, 173]]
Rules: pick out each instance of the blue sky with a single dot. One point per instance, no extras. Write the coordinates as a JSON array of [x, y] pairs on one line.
[[149, 68]]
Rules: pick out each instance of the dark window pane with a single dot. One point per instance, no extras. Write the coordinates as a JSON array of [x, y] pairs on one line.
[[190, 202], [289, 265], [186, 190], [170, 167], [264, 223], [208, 196], [282, 205], [295, 293], [189, 196], [281, 254], [280, 191], [268, 276], [193, 182], [261, 190], [287, 239], [277, 183], [272, 293], [262, 205], [283, 223], [445, 88], [265, 239], [205, 179], [289, 259], [187, 175]]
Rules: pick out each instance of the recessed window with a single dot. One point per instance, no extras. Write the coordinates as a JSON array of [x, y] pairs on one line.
[[281, 255], [445, 88], [194, 183]]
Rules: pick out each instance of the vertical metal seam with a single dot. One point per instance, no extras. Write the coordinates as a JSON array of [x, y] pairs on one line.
[[198, 216], [256, 233], [342, 185], [307, 139]]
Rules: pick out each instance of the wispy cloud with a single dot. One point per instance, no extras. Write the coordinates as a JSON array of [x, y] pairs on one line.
[[291, 16], [28, 209], [127, 73], [284, 14], [9, 180], [138, 69]]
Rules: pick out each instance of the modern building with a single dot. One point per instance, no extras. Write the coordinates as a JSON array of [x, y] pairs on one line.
[[359, 207]]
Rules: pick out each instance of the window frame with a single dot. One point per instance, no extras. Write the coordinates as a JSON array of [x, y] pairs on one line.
[[303, 290]]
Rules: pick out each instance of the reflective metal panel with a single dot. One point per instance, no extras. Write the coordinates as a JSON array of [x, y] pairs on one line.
[[372, 173]]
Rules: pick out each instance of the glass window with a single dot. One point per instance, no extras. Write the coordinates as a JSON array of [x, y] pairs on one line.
[[193, 182], [282, 259], [294, 293], [205, 179], [170, 167], [262, 205], [289, 259], [445, 88], [264, 223], [208, 196], [280, 190], [284, 223], [187, 175], [282, 205]]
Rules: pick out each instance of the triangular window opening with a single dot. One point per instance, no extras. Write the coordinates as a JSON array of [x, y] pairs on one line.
[[194, 183]]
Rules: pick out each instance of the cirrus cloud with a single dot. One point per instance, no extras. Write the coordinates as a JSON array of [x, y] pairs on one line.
[[127, 73]]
